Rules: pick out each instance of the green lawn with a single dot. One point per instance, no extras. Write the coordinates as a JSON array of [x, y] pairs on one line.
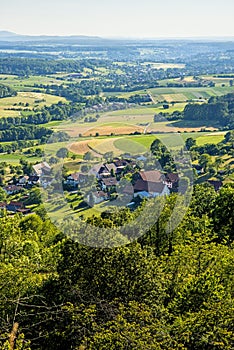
[[130, 146], [14, 158]]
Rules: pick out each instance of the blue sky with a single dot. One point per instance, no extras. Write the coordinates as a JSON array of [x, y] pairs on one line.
[[119, 18]]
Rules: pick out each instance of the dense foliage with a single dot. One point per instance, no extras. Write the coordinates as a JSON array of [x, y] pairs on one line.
[[218, 109], [166, 291], [6, 91]]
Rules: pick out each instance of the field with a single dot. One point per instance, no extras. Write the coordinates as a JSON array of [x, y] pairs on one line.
[[139, 144], [32, 99], [27, 83], [183, 94], [14, 158]]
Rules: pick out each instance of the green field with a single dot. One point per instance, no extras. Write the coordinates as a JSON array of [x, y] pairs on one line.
[[14, 158], [130, 146], [188, 93], [33, 99], [139, 144]]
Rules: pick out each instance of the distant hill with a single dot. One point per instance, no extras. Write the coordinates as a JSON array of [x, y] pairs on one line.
[[12, 37]]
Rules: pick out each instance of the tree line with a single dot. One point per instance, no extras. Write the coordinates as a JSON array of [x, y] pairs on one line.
[[218, 109]]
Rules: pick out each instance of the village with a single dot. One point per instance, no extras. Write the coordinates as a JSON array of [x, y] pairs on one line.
[[109, 181]]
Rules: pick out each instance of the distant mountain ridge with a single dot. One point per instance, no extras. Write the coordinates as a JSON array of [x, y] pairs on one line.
[[10, 36]]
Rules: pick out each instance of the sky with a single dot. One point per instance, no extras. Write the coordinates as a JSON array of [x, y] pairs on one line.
[[119, 18]]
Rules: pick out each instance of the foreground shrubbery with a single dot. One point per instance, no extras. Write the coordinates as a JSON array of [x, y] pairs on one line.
[[166, 291]]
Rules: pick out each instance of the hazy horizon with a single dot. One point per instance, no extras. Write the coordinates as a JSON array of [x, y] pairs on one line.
[[125, 18], [121, 37]]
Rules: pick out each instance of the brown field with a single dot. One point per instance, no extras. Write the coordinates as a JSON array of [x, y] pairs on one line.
[[80, 147], [103, 146], [113, 129]]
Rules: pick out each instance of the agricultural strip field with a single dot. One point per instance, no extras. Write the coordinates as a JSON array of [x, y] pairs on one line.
[[186, 93], [139, 144], [91, 129], [33, 99]]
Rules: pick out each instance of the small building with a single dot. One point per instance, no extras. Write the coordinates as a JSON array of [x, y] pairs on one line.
[[98, 197], [109, 183], [33, 180], [41, 169], [13, 189], [22, 180], [3, 205], [15, 206], [75, 179]]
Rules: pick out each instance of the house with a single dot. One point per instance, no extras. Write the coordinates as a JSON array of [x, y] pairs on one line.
[[151, 176], [216, 184], [33, 180], [150, 184], [99, 171], [97, 197], [172, 180], [41, 169], [111, 168], [15, 206], [75, 179], [22, 180], [145, 189], [108, 183], [12, 189]]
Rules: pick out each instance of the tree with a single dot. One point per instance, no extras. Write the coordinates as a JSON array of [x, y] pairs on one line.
[[190, 142], [204, 160], [88, 156], [62, 153], [108, 156], [2, 195]]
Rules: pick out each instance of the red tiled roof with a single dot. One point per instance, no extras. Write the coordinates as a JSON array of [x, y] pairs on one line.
[[152, 175], [151, 187], [17, 204], [111, 181]]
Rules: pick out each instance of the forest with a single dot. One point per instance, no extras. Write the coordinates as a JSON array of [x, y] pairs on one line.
[[219, 109], [164, 291]]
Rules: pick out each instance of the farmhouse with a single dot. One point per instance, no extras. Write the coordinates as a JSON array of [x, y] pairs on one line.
[[145, 189], [41, 169], [152, 176], [150, 184]]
